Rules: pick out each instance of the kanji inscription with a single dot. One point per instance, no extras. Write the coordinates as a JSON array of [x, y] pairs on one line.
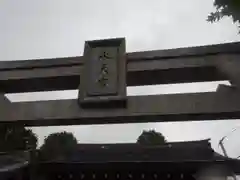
[[104, 77]]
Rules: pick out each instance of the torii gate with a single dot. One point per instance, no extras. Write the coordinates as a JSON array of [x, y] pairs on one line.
[[102, 75]]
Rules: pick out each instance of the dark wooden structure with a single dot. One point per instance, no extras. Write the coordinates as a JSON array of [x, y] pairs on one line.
[[175, 160], [103, 74], [14, 165]]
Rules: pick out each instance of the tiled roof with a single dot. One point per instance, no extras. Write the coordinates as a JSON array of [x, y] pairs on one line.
[[174, 151]]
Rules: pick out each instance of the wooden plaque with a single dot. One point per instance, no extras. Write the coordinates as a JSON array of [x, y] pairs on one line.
[[104, 79]]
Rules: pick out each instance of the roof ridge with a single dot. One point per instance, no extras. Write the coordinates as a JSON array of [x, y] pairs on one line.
[[172, 142]]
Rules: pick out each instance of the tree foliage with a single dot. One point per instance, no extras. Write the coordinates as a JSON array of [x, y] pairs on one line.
[[14, 138], [58, 146], [230, 8], [151, 137]]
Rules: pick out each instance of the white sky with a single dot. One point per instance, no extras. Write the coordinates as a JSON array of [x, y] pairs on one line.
[[31, 29]]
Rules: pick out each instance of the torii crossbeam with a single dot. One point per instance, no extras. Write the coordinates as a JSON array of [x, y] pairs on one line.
[[102, 75]]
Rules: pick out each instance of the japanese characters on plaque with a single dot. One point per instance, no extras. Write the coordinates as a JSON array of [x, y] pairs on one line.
[[104, 76], [102, 71]]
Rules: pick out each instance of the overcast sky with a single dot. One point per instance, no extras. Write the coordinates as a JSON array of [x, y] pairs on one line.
[[32, 29]]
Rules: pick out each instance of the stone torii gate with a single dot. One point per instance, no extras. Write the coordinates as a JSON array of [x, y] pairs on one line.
[[102, 75]]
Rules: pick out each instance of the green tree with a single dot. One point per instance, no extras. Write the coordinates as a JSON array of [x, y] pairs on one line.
[[58, 146], [151, 137], [14, 138], [230, 8]]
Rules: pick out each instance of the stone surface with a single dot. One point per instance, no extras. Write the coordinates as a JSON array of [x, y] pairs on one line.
[[155, 108], [182, 65], [229, 65], [103, 79], [5, 107]]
